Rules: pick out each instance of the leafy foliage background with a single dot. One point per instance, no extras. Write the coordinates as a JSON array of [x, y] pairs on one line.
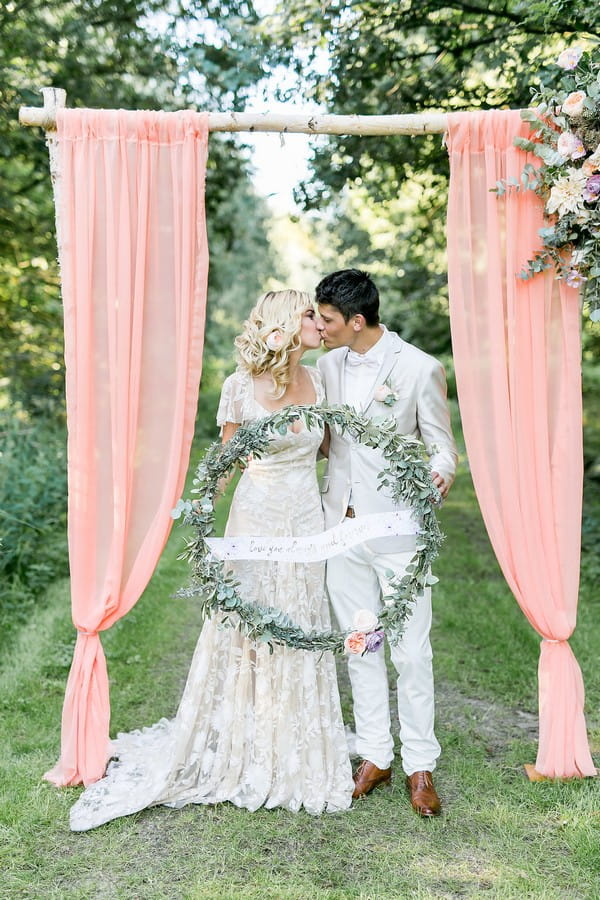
[[105, 53], [387, 198]]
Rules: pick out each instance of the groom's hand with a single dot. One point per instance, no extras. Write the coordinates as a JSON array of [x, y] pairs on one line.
[[441, 484]]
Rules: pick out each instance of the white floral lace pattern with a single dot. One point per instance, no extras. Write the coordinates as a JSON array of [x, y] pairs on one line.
[[254, 728]]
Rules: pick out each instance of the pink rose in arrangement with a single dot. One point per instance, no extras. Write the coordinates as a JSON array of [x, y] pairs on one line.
[[364, 620], [570, 146], [374, 640], [355, 643], [591, 191], [573, 104], [569, 59], [274, 340]]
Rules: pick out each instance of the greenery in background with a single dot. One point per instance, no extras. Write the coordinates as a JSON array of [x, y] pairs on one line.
[[386, 199], [499, 836], [242, 265], [590, 534], [33, 512], [117, 53]]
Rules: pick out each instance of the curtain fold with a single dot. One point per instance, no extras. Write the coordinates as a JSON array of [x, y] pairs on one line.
[[517, 353], [133, 254]]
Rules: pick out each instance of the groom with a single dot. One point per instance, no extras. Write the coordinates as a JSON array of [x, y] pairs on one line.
[[365, 356]]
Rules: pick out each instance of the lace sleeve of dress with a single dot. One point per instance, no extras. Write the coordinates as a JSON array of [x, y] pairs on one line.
[[317, 380], [233, 398]]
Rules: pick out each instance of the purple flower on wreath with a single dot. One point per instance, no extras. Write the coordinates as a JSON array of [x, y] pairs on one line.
[[591, 191], [575, 279], [373, 641]]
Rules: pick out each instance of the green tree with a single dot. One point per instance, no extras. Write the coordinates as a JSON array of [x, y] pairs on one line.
[[117, 53], [406, 57], [105, 53]]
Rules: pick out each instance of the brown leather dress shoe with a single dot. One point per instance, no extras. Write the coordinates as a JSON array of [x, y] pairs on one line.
[[367, 777], [423, 796]]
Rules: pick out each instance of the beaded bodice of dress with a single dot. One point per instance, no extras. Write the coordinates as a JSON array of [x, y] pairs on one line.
[[279, 490]]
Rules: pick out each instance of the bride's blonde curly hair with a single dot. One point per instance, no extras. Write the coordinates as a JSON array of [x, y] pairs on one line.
[[277, 316]]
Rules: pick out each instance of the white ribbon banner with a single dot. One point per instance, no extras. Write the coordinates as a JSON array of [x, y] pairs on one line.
[[316, 547]]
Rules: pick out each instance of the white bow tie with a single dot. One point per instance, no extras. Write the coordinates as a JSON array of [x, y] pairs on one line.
[[367, 362]]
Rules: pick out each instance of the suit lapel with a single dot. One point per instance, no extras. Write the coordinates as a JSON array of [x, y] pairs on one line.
[[389, 361], [340, 380]]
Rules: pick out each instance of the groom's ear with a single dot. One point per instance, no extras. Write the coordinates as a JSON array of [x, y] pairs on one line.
[[358, 322]]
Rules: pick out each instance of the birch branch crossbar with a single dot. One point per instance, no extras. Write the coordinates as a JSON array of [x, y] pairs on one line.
[[293, 123]]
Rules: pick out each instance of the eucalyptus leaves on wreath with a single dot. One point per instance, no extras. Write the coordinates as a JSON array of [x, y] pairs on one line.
[[407, 476]]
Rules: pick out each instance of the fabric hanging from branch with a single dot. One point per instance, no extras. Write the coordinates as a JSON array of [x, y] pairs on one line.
[[134, 262], [517, 355]]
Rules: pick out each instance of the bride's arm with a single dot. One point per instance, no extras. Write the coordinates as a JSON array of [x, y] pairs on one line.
[[229, 429]]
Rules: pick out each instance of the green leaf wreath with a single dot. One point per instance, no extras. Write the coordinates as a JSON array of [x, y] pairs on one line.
[[407, 476]]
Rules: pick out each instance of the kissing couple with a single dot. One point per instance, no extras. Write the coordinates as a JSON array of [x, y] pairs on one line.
[[260, 726]]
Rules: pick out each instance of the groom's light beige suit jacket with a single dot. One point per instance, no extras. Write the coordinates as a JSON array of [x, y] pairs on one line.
[[420, 410]]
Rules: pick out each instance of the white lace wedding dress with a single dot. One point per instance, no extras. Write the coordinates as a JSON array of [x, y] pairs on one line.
[[254, 728]]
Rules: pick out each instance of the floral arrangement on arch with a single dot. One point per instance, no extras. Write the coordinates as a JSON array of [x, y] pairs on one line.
[[565, 116]]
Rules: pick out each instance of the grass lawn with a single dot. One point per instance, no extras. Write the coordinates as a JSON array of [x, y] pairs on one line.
[[500, 835]]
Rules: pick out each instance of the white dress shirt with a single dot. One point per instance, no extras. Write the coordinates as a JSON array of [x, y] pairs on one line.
[[361, 370]]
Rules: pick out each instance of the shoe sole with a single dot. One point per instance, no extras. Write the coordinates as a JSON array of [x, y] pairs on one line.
[[426, 814]]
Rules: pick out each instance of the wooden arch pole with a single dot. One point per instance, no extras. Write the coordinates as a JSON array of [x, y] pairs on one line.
[[294, 123]]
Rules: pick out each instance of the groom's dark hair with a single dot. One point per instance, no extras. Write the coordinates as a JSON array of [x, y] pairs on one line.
[[351, 292]]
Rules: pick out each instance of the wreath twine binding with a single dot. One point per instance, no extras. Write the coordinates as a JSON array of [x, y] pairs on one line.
[[407, 477]]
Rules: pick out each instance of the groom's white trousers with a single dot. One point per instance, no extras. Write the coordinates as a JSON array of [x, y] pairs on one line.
[[355, 580]]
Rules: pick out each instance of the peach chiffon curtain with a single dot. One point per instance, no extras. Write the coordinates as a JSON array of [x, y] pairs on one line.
[[134, 260], [517, 355]]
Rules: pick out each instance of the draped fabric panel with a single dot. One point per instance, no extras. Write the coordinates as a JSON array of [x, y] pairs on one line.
[[516, 348], [134, 261]]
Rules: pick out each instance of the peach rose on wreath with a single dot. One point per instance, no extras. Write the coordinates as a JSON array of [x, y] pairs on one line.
[[355, 643]]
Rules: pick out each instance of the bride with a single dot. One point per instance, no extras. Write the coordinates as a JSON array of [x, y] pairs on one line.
[[254, 727]]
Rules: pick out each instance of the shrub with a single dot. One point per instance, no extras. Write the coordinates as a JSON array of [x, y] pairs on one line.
[[33, 513]]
